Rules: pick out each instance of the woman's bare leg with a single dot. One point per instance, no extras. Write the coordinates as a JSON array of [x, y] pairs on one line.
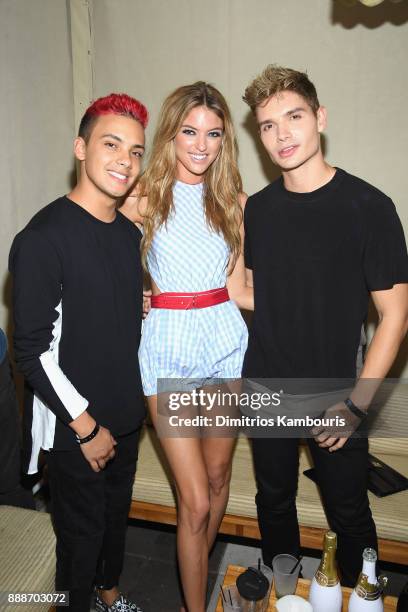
[[186, 461], [218, 460], [218, 451]]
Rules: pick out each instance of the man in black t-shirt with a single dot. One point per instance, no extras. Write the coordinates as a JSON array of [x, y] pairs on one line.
[[77, 283], [318, 243]]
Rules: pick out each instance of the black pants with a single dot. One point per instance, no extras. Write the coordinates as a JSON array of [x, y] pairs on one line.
[[90, 511], [11, 491], [342, 478]]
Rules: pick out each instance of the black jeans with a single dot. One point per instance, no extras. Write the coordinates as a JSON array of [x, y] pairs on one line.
[[90, 511], [342, 478], [11, 491]]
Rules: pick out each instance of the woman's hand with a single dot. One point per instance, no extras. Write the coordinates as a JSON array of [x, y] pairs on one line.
[[134, 206]]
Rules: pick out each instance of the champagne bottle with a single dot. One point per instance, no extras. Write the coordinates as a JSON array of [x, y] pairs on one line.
[[325, 591], [367, 592]]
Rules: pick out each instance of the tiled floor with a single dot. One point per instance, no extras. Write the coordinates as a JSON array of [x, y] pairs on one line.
[[150, 574]]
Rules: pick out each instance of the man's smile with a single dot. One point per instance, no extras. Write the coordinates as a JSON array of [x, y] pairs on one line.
[[122, 178]]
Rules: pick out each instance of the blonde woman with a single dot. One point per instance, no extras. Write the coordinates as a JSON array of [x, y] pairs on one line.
[[190, 204]]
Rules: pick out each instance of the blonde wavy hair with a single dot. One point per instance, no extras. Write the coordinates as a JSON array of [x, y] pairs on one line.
[[222, 180]]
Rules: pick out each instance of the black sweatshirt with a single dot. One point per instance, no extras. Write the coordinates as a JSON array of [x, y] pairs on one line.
[[77, 314]]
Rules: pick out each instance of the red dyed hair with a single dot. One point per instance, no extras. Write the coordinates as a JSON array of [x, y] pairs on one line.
[[114, 104]]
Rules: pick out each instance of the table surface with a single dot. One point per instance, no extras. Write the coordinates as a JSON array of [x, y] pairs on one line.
[[233, 571]]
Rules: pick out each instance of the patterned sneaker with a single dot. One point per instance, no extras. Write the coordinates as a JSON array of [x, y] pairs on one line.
[[121, 604]]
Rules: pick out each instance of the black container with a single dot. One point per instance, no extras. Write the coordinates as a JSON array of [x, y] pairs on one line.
[[253, 587]]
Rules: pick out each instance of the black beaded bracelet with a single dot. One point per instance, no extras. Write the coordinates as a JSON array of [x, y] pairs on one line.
[[88, 438], [353, 408]]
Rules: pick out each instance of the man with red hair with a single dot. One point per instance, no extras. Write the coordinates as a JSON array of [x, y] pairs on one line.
[[78, 311]]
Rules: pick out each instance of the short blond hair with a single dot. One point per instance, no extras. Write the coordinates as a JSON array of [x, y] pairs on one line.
[[275, 79]]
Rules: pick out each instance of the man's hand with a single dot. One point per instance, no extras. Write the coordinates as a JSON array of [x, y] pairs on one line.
[[100, 449], [335, 436], [147, 294]]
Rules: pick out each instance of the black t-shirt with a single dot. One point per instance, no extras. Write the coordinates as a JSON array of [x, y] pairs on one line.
[[78, 311], [315, 257]]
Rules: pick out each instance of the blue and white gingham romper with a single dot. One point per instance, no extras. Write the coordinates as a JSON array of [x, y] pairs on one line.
[[199, 344]]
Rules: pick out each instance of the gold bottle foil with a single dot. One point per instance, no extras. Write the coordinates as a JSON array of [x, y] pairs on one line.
[[367, 590], [326, 574]]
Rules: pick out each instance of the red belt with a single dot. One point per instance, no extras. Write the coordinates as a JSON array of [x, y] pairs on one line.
[[185, 301]]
